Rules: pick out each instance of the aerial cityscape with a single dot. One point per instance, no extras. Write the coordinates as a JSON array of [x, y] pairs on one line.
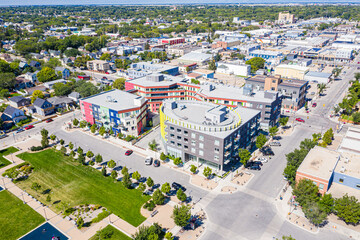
[[184, 121]]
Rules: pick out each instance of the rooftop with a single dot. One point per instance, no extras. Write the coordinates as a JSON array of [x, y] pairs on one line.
[[349, 164], [196, 56], [319, 162], [294, 67], [116, 100], [161, 80], [284, 82], [318, 74], [351, 141]]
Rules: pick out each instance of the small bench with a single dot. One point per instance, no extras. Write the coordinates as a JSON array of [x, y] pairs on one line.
[[154, 213]]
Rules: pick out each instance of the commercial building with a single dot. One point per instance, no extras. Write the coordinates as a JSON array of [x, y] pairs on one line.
[[291, 71], [195, 57], [206, 133], [142, 69], [120, 111], [98, 65], [266, 54], [159, 87], [285, 18], [180, 50], [318, 77], [292, 91], [172, 41], [233, 69]]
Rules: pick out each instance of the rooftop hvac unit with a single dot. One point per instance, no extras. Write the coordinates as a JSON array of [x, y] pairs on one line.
[[346, 160], [342, 170]]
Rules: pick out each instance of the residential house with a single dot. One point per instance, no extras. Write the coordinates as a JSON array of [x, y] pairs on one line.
[[31, 76], [98, 65], [43, 107], [23, 65], [66, 60], [29, 91], [75, 96], [21, 83], [60, 102], [64, 72], [35, 64], [51, 84], [13, 114], [19, 101]]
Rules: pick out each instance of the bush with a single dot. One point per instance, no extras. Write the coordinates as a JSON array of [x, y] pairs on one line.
[[100, 216], [36, 148], [149, 205], [163, 157]]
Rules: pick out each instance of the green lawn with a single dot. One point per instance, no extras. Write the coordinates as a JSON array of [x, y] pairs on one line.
[[4, 162], [74, 184], [115, 234], [16, 218]]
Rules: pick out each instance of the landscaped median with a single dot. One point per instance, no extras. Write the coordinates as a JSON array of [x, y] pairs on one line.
[[61, 183], [4, 162]]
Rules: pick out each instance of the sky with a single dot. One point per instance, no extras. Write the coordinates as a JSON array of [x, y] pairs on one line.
[[87, 2]]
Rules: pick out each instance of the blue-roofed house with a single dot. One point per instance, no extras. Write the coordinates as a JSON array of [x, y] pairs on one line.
[[43, 107], [19, 101], [13, 114], [65, 73]]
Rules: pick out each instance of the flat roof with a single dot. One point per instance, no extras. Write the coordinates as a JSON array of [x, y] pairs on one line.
[[295, 67], [284, 81], [349, 164], [194, 115], [318, 74], [196, 56], [351, 141], [116, 99], [319, 162], [166, 82]]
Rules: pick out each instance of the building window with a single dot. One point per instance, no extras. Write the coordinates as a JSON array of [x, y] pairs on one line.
[[186, 140], [193, 142], [201, 152], [193, 150], [217, 143], [193, 135], [179, 144], [201, 138], [172, 128], [217, 150], [178, 130], [186, 147], [186, 132], [178, 137], [321, 186], [201, 145], [341, 180], [172, 143], [216, 158], [172, 135]]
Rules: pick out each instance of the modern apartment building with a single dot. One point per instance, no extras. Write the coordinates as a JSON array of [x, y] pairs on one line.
[[159, 87], [206, 133], [120, 111], [98, 65], [292, 91], [142, 69], [173, 41]]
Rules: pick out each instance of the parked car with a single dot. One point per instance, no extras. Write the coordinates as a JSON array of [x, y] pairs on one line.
[[300, 120], [276, 144], [314, 104], [263, 160], [257, 163], [156, 163], [178, 186], [20, 130], [49, 120], [148, 160], [29, 127], [255, 167], [128, 152], [3, 136], [267, 151]]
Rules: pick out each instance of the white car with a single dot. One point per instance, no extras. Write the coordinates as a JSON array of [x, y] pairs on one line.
[[148, 160], [263, 160]]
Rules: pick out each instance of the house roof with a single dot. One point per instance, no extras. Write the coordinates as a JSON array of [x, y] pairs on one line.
[[75, 95], [16, 99], [10, 110], [59, 100], [39, 102]]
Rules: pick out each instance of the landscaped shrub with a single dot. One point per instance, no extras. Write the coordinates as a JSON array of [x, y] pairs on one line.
[[36, 148], [101, 216], [149, 205]]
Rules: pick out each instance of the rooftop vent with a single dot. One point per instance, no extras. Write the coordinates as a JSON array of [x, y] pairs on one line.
[[342, 170]]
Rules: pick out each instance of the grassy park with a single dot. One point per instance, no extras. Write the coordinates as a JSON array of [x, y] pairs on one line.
[[16, 218], [110, 233], [4, 162], [71, 184]]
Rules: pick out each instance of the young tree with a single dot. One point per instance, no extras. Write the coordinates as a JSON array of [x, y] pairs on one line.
[[193, 169], [306, 192], [149, 182], [103, 171], [321, 88], [158, 197], [80, 151], [177, 161], [124, 170], [44, 133], [119, 83], [52, 137], [273, 131], [163, 157], [102, 130], [260, 141], [114, 174], [80, 222], [71, 145], [81, 159], [126, 181], [244, 155], [75, 122], [136, 175], [165, 188], [314, 213], [62, 142], [348, 209], [283, 121], [90, 154], [111, 164], [141, 187], [48, 198], [153, 145], [181, 215], [44, 142], [169, 236], [207, 172], [326, 203], [181, 195], [93, 128], [98, 158]]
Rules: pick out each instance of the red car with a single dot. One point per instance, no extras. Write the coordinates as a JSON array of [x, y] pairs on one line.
[[128, 152], [29, 127], [300, 120], [49, 120], [314, 104]]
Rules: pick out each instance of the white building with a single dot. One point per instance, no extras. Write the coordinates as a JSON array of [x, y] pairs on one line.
[[233, 69]]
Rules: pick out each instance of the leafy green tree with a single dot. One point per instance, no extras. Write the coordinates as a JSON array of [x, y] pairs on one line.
[[105, 56], [158, 197], [126, 181], [306, 192], [153, 145], [321, 88], [141, 187], [283, 121], [260, 141], [111, 164], [98, 158], [119, 83], [124, 170], [181, 215], [62, 89], [93, 128], [308, 144], [326, 203], [37, 94], [80, 222], [90, 154], [149, 182], [63, 150], [35, 186], [169, 236], [177, 161], [193, 169], [163, 157], [212, 65], [103, 171], [244, 155], [52, 137], [314, 213], [62, 141], [207, 172], [46, 74], [181, 195], [48, 198], [348, 209], [114, 174], [7, 80], [256, 63], [273, 131], [71, 145], [136, 175], [165, 188], [80, 151]]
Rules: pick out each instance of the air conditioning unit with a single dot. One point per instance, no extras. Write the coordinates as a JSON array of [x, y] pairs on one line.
[[342, 170]]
